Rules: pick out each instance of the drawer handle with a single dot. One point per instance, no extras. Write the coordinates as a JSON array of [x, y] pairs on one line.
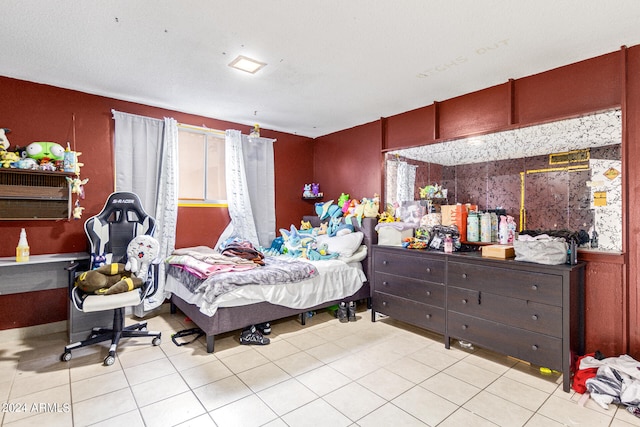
[[534, 347], [465, 326], [385, 283], [428, 270], [428, 293], [534, 317], [464, 301], [384, 303], [464, 275], [428, 316], [385, 262], [534, 287]]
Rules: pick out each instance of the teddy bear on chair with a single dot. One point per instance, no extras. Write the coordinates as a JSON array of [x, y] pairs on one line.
[[116, 277], [141, 252]]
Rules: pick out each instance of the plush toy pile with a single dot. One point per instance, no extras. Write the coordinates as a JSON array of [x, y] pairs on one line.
[[116, 278], [329, 240], [45, 156]]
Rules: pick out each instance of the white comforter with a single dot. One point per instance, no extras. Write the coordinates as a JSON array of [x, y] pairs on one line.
[[336, 279]]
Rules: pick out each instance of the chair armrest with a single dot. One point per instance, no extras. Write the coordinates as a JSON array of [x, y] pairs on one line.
[[71, 274], [151, 287]]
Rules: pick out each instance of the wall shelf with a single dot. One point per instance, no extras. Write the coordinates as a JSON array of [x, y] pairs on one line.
[[32, 194]]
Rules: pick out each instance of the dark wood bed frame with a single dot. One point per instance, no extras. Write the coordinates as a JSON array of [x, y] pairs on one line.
[[228, 319]]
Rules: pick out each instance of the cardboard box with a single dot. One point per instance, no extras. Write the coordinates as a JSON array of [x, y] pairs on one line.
[[498, 251], [390, 236]]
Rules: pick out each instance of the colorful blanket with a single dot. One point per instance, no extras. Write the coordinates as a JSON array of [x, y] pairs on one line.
[[277, 270]]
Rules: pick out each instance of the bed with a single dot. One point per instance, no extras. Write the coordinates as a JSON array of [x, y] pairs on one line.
[[234, 312]]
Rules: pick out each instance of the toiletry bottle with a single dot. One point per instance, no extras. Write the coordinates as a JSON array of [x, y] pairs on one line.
[[448, 244], [485, 227], [473, 227], [503, 230], [22, 250]]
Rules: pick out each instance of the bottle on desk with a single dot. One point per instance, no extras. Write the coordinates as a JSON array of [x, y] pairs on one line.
[[22, 250]]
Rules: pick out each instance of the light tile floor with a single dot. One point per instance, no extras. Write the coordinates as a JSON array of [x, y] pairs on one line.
[[325, 373]]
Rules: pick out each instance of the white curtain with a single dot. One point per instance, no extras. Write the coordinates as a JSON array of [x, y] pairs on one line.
[[406, 181], [250, 189], [146, 159]]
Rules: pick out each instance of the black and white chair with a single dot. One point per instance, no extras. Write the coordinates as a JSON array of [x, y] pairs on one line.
[[121, 220]]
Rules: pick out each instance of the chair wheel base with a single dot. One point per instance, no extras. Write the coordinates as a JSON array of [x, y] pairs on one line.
[[109, 360]]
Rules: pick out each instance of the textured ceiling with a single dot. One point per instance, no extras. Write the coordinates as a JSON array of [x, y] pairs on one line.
[[332, 65]]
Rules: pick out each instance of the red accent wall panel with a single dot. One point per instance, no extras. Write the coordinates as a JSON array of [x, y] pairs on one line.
[[349, 161], [605, 306], [585, 86], [411, 128], [37, 112], [478, 112], [631, 153], [33, 308]]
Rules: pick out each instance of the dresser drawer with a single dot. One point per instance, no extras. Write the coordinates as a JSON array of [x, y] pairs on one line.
[[539, 349], [422, 315], [403, 263], [526, 285], [529, 315], [413, 289]]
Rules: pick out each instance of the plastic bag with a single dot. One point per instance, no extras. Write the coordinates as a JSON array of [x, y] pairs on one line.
[[549, 252]]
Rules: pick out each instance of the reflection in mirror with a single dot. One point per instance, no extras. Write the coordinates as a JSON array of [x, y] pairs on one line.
[[560, 175]]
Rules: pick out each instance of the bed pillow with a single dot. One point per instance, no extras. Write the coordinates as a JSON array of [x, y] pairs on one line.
[[344, 245]]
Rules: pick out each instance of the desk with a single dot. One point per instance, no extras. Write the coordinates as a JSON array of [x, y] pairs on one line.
[[36, 292], [41, 272]]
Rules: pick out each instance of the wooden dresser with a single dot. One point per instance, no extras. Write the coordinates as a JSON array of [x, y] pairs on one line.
[[529, 311]]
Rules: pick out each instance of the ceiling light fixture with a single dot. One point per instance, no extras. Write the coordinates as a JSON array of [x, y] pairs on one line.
[[247, 64]]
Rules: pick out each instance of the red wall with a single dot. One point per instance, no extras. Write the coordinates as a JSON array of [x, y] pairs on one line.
[[612, 297], [350, 161], [36, 112]]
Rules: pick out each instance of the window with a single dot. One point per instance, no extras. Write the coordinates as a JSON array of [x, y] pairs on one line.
[[201, 166]]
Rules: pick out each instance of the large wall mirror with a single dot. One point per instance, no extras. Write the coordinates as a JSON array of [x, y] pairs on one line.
[[559, 175]]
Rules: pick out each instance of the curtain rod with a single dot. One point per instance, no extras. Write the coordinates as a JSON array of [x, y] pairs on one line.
[[202, 128]]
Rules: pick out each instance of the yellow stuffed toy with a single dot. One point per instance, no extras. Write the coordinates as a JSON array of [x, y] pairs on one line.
[[107, 280]]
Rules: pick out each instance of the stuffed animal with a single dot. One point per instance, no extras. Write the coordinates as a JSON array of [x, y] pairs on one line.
[[294, 242], [344, 198], [315, 189], [371, 206], [9, 159], [141, 251], [320, 253], [77, 185], [107, 280], [339, 228], [45, 150], [4, 142], [306, 191], [328, 210]]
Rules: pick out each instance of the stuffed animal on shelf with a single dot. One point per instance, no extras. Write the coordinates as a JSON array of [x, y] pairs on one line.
[[315, 190], [306, 191], [141, 252], [8, 159], [51, 151], [107, 280]]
